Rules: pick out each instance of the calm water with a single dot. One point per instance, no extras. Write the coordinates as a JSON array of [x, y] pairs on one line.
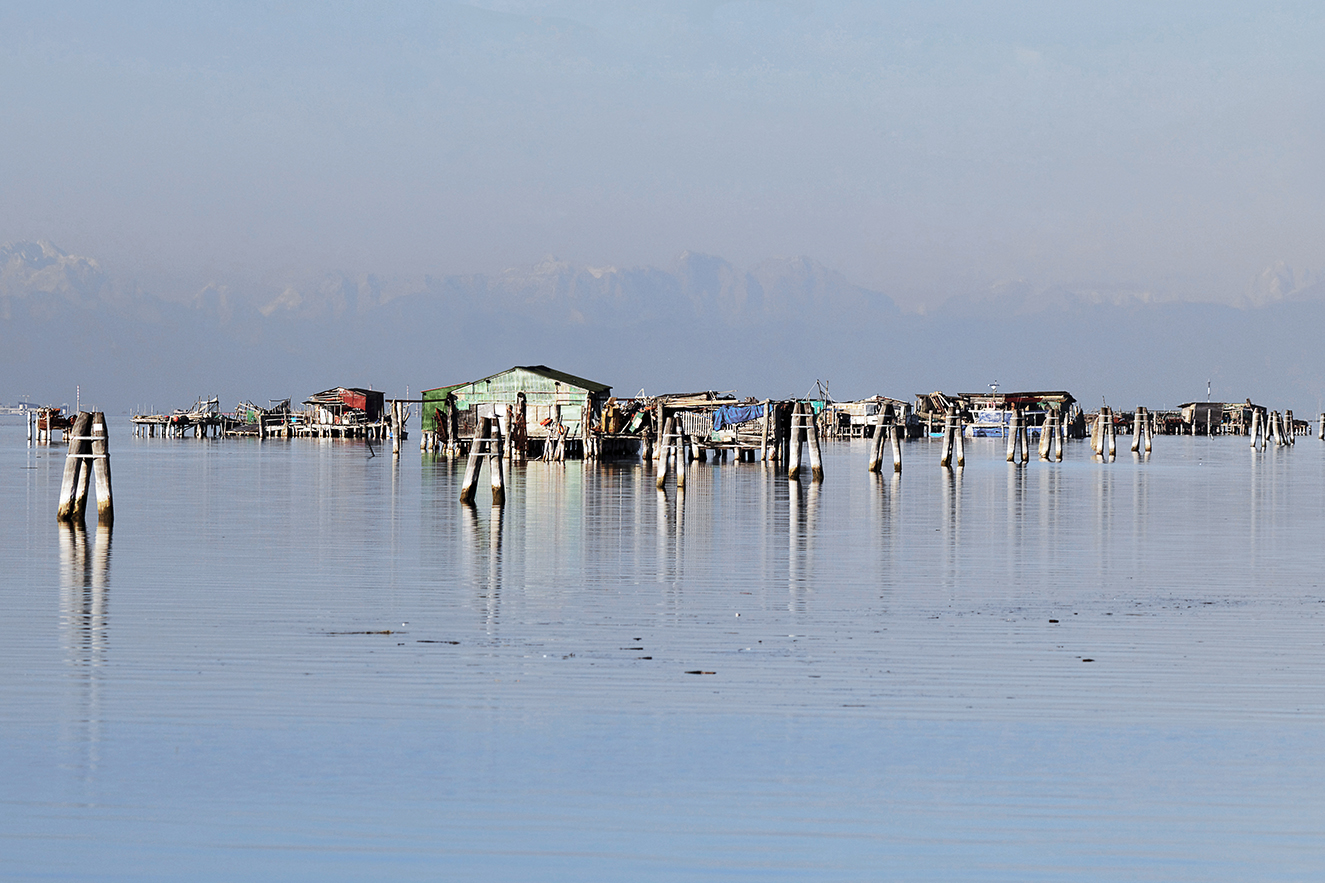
[[210, 694]]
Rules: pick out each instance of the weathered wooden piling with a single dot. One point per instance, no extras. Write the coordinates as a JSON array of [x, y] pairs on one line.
[[664, 455], [482, 449], [794, 449], [1255, 431], [77, 465], [497, 465], [1014, 434], [101, 469], [1109, 443], [895, 433], [945, 451], [764, 435], [1320, 422], [876, 445], [1046, 436], [816, 457], [1290, 429]]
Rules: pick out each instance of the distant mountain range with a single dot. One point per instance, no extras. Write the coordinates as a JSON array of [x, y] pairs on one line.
[[773, 329]]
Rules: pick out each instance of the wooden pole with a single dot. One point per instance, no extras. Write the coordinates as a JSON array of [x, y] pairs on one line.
[[75, 468], [1110, 444], [945, 452], [876, 445], [476, 453], [664, 455], [816, 456], [794, 451], [660, 422], [1014, 423], [497, 466], [1288, 426], [1046, 436], [763, 442], [958, 440], [101, 468], [895, 433]]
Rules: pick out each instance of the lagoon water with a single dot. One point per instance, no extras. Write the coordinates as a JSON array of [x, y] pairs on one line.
[[292, 661]]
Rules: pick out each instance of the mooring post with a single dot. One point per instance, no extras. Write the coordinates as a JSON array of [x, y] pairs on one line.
[[1046, 436], [794, 449], [1320, 423], [945, 451], [958, 437], [763, 441], [496, 465], [895, 433], [477, 450], [1288, 426], [816, 456], [1255, 431], [664, 456], [75, 468], [876, 445], [1110, 444], [101, 468], [682, 443], [660, 421], [1013, 424]]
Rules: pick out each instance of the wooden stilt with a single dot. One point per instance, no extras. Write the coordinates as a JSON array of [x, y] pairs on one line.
[[664, 455], [763, 443]]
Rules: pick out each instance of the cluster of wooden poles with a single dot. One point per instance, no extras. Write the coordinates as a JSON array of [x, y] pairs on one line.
[[1274, 427], [1103, 439], [89, 455]]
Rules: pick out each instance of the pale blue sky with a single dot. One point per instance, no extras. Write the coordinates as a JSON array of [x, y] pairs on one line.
[[922, 149]]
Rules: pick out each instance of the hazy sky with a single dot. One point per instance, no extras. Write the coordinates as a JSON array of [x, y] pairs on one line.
[[922, 149]]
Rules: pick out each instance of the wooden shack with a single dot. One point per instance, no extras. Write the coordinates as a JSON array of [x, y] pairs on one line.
[[343, 412], [545, 404]]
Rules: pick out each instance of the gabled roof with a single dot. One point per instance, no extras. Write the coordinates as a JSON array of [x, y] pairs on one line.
[[558, 376]]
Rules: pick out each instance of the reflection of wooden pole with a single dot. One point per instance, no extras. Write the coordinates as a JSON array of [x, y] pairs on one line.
[[75, 468], [101, 468]]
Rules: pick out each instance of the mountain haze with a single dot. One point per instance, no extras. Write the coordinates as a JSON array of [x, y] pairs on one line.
[[770, 330]]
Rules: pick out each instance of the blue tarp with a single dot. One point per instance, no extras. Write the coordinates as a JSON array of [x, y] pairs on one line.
[[730, 415]]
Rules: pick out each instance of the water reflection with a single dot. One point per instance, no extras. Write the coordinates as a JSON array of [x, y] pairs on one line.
[[84, 580], [482, 546], [952, 525], [802, 522]]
